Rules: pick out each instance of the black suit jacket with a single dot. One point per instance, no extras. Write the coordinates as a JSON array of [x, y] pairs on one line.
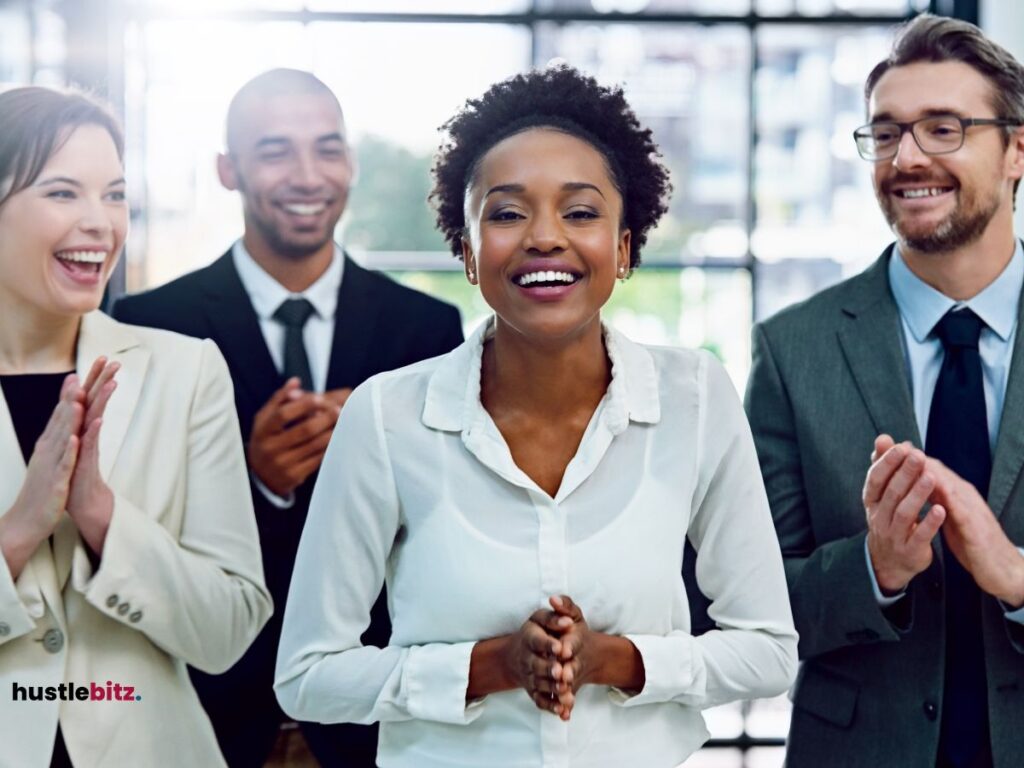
[[379, 326]]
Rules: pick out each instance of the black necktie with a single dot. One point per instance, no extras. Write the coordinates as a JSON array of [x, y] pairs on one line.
[[293, 314], [958, 436]]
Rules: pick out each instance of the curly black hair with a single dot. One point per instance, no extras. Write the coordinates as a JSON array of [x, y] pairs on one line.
[[567, 100]]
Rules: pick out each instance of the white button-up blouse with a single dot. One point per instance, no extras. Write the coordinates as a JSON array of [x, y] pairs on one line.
[[418, 489]]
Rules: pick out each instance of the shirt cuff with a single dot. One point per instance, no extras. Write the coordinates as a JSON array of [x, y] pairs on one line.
[[435, 679], [281, 502], [884, 601], [1015, 615], [668, 671]]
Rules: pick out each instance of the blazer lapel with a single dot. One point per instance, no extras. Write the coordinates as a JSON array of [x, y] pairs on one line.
[[1009, 455], [236, 329], [354, 327], [33, 580], [871, 343], [102, 336]]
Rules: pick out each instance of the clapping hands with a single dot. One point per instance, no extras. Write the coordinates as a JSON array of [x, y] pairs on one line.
[[63, 471]]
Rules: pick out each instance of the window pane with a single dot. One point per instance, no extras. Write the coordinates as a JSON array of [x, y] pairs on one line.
[[15, 46], [894, 8], [718, 757], [393, 113], [814, 200], [689, 85], [716, 7], [419, 6]]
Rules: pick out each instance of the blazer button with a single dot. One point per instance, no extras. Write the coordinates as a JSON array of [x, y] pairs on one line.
[[930, 710], [123, 608], [53, 640], [111, 601], [5, 629], [135, 617]]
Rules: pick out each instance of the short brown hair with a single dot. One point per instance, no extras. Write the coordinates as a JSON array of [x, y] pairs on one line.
[[34, 123], [936, 39]]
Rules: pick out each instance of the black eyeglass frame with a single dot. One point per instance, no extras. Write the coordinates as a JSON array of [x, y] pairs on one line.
[[965, 123]]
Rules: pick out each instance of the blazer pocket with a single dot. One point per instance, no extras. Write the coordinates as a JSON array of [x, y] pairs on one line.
[[826, 694]]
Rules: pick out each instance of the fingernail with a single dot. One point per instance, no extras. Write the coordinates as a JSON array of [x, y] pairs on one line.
[[556, 600], [564, 621]]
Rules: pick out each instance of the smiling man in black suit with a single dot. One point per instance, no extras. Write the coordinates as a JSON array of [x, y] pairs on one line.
[[300, 325]]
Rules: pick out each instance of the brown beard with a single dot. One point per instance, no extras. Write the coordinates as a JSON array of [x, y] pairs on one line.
[[963, 226]]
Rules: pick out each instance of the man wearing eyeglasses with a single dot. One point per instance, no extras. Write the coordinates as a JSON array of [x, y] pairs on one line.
[[888, 413]]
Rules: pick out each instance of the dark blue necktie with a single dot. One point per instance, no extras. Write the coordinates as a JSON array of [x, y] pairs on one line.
[[293, 314], [958, 436]]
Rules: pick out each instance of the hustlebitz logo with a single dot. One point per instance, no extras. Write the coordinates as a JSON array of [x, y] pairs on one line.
[[70, 692]]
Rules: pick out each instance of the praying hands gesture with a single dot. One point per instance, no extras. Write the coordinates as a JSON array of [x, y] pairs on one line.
[[63, 472], [551, 657]]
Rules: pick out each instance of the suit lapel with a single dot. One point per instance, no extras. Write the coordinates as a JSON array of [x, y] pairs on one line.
[[354, 327], [102, 336], [1009, 455], [236, 329], [871, 343]]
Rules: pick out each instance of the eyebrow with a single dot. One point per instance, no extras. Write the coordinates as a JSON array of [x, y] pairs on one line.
[[276, 141], [73, 182], [886, 117], [569, 186]]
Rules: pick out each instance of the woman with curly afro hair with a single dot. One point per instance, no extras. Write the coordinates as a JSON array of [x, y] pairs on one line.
[[526, 497]]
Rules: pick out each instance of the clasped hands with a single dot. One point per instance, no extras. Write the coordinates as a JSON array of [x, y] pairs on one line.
[[63, 472], [551, 656], [290, 434], [901, 480]]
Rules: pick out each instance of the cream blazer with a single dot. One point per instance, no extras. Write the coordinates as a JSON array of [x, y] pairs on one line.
[[180, 582]]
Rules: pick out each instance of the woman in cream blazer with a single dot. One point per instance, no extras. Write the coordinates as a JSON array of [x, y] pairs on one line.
[[129, 548]]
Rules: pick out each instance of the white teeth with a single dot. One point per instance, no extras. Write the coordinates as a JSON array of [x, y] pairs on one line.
[[88, 257], [546, 277], [926, 192], [305, 209]]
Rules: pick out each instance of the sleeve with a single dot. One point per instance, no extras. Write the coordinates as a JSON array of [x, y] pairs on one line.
[[830, 590], [752, 653], [1013, 615], [323, 672], [200, 595], [883, 601], [16, 616], [280, 502]]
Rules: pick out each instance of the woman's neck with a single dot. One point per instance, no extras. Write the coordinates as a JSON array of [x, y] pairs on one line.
[[33, 342], [546, 379]]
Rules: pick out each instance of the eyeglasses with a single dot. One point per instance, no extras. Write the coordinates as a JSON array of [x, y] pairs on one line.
[[935, 135]]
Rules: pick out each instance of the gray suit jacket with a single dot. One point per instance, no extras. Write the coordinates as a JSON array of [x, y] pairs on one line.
[[828, 376]]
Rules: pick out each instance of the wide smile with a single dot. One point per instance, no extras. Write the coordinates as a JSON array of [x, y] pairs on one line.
[[304, 210], [546, 284], [83, 267], [922, 197]]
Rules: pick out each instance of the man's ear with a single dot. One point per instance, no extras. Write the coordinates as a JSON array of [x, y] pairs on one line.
[[1015, 155], [469, 261], [226, 171]]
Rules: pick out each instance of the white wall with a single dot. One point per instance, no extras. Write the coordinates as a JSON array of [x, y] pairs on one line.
[[1003, 21]]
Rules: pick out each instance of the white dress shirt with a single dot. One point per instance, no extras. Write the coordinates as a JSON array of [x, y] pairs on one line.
[[266, 295], [419, 489], [921, 307]]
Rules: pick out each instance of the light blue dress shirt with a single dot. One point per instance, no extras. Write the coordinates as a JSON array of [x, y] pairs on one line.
[[921, 307]]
